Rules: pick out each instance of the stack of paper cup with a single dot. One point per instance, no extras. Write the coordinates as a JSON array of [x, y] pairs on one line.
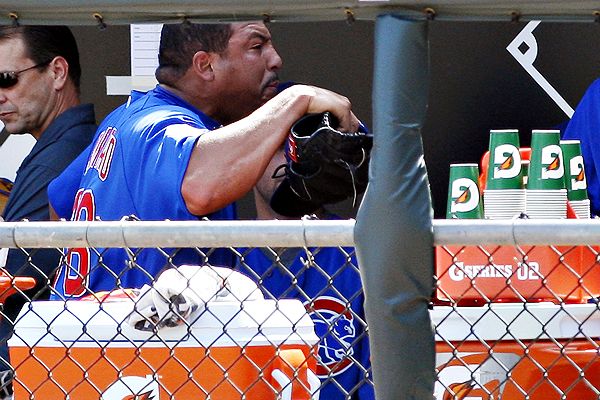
[[525, 171], [504, 196], [546, 195], [464, 198], [575, 178]]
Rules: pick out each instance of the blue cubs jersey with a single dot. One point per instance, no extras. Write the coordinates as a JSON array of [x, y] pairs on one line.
[[330, 287], [585, 126], [135, 167]]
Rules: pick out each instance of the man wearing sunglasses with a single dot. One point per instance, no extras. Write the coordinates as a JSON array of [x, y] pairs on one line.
[[39, 94]]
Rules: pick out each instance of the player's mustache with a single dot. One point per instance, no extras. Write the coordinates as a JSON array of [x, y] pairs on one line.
[[274, 79]]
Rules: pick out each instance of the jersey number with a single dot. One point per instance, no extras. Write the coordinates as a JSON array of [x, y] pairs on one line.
[[78, 260]]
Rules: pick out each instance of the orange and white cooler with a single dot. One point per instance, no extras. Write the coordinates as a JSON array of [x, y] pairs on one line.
[[539, 351], [83, 350]]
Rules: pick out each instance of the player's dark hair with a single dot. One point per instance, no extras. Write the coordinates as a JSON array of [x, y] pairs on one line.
[[179, 43], [44, 42]]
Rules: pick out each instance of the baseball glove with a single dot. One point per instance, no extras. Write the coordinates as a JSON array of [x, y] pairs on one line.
[[323, 166]]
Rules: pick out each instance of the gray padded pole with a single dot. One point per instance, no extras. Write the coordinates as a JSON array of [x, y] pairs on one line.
[[393, 232]]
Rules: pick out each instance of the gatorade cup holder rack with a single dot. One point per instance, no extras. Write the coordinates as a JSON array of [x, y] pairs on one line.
[[476, 275]]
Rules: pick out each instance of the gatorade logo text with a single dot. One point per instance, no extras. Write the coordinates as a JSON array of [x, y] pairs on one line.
[[507, 161], [465, 196], [102, 154], [524, 272], [133, 388], [334, 324], [578, 181], [552, 165]]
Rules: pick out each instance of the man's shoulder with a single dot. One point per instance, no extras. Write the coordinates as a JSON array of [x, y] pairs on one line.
[[79, 119]]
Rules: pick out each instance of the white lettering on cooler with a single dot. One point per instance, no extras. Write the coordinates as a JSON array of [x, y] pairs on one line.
[[465, 196], [507, 161], [459, 271], [552, 162], [529, 271], [578, 181]]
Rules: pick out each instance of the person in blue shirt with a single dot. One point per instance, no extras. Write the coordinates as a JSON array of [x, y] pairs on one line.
[[40, 95], [585, 127], [188, 148], [327, 281]]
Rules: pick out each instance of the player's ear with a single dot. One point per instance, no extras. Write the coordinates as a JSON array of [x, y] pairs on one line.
[[202, 64], [60, 71]]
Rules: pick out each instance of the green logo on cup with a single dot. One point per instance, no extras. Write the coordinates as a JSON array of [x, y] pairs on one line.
[[552, 164], [507, 162], [465, 196], [577, 177]]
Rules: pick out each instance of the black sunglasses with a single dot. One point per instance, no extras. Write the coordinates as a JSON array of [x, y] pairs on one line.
[[10, 78]]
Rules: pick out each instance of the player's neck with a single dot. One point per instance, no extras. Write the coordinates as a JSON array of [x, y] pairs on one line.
[[264, 210]]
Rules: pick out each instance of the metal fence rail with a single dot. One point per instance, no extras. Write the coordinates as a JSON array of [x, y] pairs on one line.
[[284, 233], [515, 309]]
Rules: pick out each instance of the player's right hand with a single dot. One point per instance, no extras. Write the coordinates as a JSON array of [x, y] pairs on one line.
[[321, 100]]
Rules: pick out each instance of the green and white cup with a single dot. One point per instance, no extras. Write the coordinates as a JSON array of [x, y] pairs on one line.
[[575, 179], [504, 196], [546, 195], [574, 170], [504, 167], [464, 198], [546, 166]]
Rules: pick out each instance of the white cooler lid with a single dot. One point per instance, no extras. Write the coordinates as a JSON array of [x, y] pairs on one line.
[[509, 321], [85, 323]]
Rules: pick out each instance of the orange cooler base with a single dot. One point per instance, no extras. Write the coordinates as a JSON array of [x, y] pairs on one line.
[[81, 350], [477, 373], [179, 373]]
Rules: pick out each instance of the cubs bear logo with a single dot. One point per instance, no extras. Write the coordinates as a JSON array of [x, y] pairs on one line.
[[334, 324]]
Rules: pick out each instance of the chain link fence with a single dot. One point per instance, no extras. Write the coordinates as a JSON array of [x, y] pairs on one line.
[[516, 316], [306, 338]]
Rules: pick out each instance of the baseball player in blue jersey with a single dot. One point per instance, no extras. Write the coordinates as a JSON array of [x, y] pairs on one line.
[[328, 282], [584, 126], [188, 148]]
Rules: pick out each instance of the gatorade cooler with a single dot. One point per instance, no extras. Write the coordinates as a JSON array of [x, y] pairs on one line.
[[83, 350], [536, 351], [476, 275], [472, 275]]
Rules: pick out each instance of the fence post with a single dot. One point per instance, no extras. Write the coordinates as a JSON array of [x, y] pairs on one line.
[[393, 232]]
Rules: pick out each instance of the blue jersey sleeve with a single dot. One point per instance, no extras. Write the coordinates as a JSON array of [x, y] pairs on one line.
[[154, 180]]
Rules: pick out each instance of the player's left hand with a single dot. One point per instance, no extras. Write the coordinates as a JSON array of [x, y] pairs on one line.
[[179, 292]]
